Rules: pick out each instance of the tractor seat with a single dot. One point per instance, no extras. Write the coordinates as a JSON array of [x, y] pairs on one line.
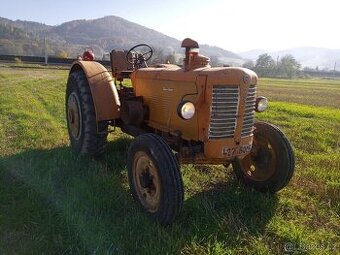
[[120, 67]]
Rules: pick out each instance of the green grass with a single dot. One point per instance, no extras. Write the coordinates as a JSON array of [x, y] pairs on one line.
[[310, 91], [52, 202]]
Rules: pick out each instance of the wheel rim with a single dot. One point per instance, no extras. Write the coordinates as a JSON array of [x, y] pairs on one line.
[[74, 115], [147, 182], [261, 163]]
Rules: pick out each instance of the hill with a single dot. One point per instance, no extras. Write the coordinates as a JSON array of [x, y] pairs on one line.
[[102, 35], [26, 38], [29, 26], [312, 57]]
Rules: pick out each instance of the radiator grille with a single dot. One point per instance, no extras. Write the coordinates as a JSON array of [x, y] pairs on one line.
[[223, 111], [248, 120]]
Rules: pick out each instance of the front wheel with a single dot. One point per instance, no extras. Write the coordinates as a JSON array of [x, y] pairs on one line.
[[154, 177], [270, 165]]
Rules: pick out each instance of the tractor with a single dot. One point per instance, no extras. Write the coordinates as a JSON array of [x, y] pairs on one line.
[[188, 114]]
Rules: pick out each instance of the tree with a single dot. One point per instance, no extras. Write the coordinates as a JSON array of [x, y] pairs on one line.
[[158, 57], [171, 58], [265, 65], [62, 54], [249, 64], [288, 66]]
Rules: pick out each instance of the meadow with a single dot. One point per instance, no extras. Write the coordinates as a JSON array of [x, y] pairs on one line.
[[52, 202]]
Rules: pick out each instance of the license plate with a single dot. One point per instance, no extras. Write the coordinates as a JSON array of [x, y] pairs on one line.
[[237, 150]]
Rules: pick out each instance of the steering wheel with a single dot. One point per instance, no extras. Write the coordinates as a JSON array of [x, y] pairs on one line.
[[138, 55]]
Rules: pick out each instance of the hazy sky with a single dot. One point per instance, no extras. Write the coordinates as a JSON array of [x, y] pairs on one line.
[[233, 25]]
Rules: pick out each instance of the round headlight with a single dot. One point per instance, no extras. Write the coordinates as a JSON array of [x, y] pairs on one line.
[[261, 104], [186, 110]]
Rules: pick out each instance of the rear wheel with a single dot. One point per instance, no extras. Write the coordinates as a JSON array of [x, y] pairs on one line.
[[155, 178], [81, 118], [270, 165]]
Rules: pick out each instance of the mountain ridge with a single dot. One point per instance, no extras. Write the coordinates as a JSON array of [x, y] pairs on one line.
[[308, 56], [111, 32], [103, 35]]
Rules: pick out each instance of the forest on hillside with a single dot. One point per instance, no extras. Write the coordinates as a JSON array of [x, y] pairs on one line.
[[102, 35]]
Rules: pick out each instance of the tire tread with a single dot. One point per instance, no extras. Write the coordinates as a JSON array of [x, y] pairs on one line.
[[169, 173], [280, 179], [91, 142]]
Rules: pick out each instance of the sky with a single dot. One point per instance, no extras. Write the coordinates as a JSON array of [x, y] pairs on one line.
[[237, 25]]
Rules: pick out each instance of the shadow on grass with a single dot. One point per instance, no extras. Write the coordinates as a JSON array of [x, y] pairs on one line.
[[56, 203]]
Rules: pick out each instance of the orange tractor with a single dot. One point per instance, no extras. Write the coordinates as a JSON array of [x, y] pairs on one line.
[[190, 114]]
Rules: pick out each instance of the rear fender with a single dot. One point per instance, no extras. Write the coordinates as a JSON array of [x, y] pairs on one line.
[[104, 92]]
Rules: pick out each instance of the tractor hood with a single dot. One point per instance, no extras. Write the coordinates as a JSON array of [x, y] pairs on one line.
[[164, 88], [232, 75]]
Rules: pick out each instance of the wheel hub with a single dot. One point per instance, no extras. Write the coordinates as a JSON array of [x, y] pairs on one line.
[[260, 164], [147, 182], [262, 158]]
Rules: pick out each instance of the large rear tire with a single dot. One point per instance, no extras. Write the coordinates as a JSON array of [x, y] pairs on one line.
[[155, 178], [270, 165], [81, 118]]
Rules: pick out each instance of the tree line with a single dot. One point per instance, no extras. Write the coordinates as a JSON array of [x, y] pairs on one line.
[[284, 67]]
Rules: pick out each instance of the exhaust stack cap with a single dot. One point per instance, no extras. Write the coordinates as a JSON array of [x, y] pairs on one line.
[[189, 43]]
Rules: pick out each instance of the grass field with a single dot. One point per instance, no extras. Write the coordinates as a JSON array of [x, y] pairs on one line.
[[52, 202]]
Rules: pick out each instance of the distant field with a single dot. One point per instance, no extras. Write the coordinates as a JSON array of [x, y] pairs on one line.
[[307, 91], [52, 202]]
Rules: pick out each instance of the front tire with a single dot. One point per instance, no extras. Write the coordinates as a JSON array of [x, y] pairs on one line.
[[155, 179], [270, 165], [81, 118]]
